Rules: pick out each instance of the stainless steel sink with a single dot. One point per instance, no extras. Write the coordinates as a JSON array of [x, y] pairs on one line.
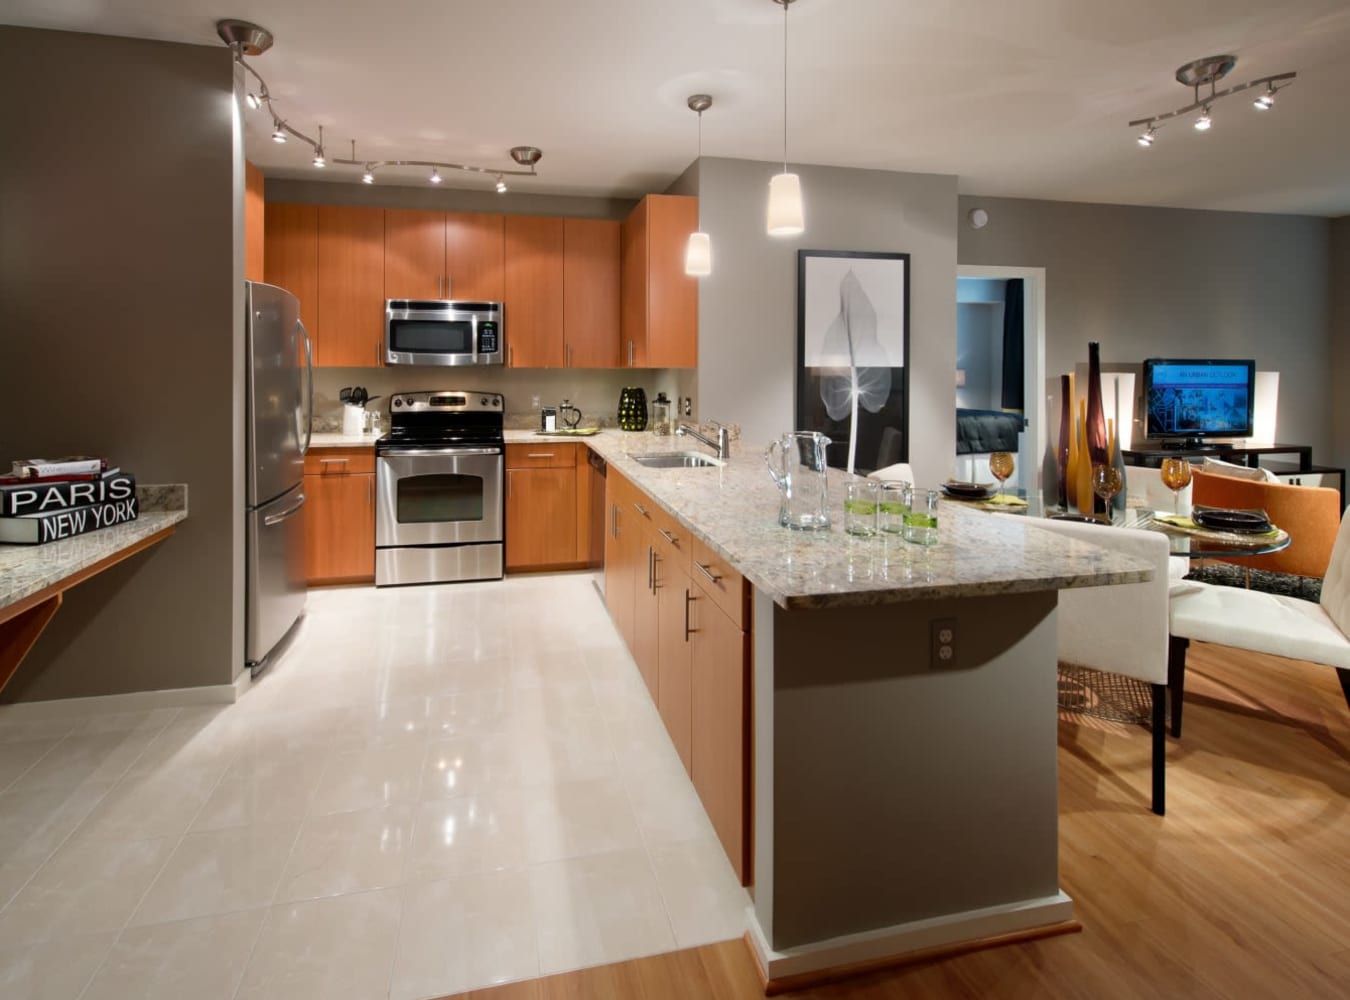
[[676, 460]]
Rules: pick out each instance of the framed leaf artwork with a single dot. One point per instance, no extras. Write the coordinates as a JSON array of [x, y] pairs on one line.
[[853, 355]]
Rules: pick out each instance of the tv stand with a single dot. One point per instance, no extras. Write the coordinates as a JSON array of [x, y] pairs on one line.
[[1152, 453], [1190, 444]]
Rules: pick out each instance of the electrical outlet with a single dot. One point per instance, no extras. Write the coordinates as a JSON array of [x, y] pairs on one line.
[[534, 402], [687, 405], [943, 654]]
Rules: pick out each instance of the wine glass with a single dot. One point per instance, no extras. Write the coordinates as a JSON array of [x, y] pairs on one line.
[[1176, 476], [1106, 483], [1001, 467]]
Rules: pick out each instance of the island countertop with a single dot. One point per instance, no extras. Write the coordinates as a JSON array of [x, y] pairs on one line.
[[734, 510]]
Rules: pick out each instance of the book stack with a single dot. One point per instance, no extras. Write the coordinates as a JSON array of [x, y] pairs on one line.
[[44, 500]]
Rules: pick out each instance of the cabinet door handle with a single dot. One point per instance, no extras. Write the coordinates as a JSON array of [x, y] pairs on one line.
[[668, 536], [510, 478], [630, 354], [707, 571], [511, 356], [370, 489], [567, 349], [688, 600], [651, 569], [613, 520]]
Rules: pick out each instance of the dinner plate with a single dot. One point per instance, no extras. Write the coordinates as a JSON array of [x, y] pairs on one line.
[[1220, 519], [968, 491]]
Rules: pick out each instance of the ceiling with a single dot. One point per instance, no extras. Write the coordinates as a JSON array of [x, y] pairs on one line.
[[1021, 100]]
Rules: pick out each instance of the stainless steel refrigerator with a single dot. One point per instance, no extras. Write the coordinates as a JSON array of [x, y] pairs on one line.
[[279, 407]]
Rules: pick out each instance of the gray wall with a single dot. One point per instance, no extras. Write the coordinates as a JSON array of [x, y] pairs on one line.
[[748, 305], [1149, 282], [1340, 343], [118, 292]]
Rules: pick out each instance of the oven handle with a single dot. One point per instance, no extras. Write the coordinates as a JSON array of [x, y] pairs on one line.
[[440, 452]]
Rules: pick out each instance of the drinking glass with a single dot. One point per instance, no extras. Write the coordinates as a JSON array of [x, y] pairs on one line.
[[1176, 476], [860, 507], [1106, 483], [921, 523], [1001, 467], [894, 506]]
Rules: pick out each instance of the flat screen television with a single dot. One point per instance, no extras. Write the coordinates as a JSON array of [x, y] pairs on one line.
[[1190, 401]]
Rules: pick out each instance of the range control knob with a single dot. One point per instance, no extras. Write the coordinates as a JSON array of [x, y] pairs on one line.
[[497, 401], [397, 401], [482, 401]]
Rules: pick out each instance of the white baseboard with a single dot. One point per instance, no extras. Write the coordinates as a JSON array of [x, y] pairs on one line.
[[902, 939], [133, 701]]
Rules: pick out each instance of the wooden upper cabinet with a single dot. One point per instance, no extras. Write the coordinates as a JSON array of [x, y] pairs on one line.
[[659, 315], [474, 256], [414, 254], [591, 293], [351, 286], [291, 256], [254, 224], [533, 301]]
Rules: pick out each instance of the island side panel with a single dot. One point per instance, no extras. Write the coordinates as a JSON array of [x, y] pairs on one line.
[[895, 792]]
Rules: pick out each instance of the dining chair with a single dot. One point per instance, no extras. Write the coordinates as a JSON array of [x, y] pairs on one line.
[[1120, 629], [1317, 632], [1310, 514], [900, 472]]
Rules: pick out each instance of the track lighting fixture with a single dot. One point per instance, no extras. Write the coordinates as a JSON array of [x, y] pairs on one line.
[[698, 252], [247, 39], [786, 217], [1207, 72]]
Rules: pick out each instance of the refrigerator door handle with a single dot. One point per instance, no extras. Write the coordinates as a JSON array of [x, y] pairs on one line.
[[291, 511], [309, 380]]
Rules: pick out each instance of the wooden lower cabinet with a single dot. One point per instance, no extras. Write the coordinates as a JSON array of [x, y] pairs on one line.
[[541, 518], [720, 730], [685, 616], [339, 517]]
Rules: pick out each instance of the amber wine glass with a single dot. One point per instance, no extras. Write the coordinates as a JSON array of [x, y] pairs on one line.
[[1106, 483], [1001, 467], [1176, 476]]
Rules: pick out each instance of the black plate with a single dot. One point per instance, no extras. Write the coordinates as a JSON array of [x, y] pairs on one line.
[[1218, 519], [968, 491], [1076, 518]]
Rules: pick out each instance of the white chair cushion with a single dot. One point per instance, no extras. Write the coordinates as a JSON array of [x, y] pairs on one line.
[[1266, 623], [1217, 468], [1122, 628], [1336, 584], [1144, 487], [900, 472]]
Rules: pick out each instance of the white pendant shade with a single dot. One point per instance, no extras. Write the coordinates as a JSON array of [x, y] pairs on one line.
[[698, 255], [785, 206]]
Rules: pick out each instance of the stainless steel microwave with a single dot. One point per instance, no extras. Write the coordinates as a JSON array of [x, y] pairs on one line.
[[442, 332]]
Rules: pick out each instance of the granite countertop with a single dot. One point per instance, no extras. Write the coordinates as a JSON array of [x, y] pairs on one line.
[[734, 510], [27, 569], [338, 440]]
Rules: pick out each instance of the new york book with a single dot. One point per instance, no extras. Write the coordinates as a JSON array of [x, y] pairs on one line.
[[48, 496], [38, 529]]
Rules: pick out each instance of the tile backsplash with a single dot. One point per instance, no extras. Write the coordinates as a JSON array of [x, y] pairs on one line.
[[594, 391]]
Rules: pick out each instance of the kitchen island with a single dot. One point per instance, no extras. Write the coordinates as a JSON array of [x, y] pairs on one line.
[[905, 803]]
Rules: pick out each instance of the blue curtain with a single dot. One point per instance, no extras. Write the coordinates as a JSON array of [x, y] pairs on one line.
[[1013, 346]]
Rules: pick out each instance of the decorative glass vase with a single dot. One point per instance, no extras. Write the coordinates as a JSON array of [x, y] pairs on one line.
[[1099, 452], [632, 408], [1066, 449]]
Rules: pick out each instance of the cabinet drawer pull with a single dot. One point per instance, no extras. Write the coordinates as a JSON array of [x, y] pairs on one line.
[[325, 461], [641, 509], [707, 571], [668, 536], [539, 454], [568, 348]]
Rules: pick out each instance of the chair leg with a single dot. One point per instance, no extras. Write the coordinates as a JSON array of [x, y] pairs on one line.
[[1176, 677], [1344, 675], [1159, 749]]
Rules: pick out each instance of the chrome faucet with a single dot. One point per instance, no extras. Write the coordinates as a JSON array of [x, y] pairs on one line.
[[722, 445]]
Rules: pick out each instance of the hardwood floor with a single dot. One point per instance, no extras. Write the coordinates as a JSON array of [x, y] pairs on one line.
[[1239, 892]]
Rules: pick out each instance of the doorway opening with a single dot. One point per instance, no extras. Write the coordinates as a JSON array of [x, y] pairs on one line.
[[986, 363]]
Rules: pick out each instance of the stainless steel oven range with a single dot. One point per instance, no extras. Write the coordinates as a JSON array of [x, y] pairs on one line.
[[438, 476]]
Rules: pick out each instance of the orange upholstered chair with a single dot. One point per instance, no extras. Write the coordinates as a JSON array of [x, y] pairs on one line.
[[1311, 515]]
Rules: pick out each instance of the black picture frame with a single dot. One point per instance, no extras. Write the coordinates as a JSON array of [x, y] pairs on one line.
[[883, 432]]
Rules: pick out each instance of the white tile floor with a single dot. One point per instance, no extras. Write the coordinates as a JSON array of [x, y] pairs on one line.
[[435, 789]]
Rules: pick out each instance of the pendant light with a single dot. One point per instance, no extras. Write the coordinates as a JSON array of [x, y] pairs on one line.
[[698, 254], [785, 189]]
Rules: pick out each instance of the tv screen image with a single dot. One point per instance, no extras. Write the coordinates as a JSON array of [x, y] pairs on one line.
[[1196, 399]]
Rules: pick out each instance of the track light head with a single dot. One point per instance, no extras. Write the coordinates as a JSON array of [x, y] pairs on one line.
[[1203, 123], [1146, 138], [435, 177], [278, 131], [319, 159], [501, 184], [251, 99], [369, 176], [1266, 101]]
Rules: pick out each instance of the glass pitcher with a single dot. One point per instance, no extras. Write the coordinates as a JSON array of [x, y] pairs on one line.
[[797, 464]]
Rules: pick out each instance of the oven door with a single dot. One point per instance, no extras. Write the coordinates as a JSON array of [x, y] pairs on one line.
[[439, 496]]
